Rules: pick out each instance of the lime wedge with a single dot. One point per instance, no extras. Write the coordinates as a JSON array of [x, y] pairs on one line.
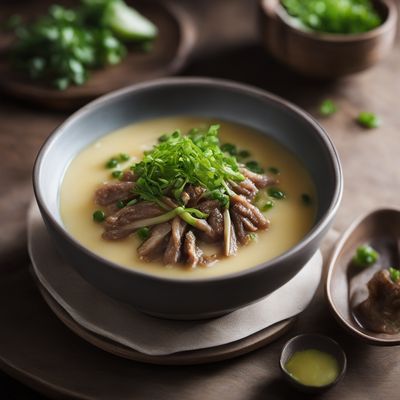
[[127, 23]]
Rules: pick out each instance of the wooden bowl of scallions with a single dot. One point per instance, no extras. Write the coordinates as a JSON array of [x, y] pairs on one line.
[[327, 39]]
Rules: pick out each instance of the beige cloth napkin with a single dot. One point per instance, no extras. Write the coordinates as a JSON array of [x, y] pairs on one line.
[[121, 323]]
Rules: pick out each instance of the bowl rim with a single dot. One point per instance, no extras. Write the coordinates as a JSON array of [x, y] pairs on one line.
[[388, 24], [222, 84], [318, 338]]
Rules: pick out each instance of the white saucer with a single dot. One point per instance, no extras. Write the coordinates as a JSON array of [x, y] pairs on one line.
[[120, 329]]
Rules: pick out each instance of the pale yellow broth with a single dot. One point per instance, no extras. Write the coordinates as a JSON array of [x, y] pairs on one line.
[[290, 218]]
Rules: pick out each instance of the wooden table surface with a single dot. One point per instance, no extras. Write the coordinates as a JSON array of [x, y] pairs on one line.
[[228, 48]]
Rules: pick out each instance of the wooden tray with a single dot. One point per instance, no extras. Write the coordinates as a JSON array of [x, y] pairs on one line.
[[203, 356], [170, 53], [38, 350]]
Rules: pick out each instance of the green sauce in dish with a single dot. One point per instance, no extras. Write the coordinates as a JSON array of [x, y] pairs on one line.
[[313, 367]]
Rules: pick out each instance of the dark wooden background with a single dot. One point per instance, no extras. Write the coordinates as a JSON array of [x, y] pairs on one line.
[[228, 47]]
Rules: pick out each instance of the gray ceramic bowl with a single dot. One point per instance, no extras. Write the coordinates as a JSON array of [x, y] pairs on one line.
[[189, 299]]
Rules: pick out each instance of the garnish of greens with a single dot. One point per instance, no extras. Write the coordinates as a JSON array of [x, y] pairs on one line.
[[334, 16], [369, 120], [61, 47], [394, 274], [365, 256], [178, 160], [327, 108]]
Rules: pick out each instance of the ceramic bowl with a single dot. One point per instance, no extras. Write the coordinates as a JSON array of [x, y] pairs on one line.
[[317, 342], [185, 298], [324, 55]]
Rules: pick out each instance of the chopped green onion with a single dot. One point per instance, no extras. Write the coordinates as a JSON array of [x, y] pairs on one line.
[[61, 47], [306, 199], [120, 204], [267, 206], [143, 233], [244, 154], [368, 120], [132, 202], [229, 148], [123, 157], [365, 256], [117, 174], [253, 236], [112, 163], [183, 213], [254, 167], [327, 108], [195, 159], [276, 193], [274, 170], [99, 216], [394, 274], [163, 138]]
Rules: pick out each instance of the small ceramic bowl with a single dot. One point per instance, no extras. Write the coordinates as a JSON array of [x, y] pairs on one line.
[[317, 342], [325, 55]]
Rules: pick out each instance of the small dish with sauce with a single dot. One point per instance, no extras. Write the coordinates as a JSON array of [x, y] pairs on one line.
[[364, 298], [312, 362]]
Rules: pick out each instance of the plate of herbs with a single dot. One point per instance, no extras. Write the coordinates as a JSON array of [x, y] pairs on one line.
[[63, 55]]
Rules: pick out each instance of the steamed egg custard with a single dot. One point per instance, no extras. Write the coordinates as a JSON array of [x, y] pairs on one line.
[[187, 197]]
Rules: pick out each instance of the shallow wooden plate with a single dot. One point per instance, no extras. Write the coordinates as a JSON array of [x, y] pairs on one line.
[[169, 55], [37, 349], [380, 229]]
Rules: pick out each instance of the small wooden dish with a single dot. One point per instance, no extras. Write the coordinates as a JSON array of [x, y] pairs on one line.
[[324, 55], [169, 54], [312, 341], [380, 229]]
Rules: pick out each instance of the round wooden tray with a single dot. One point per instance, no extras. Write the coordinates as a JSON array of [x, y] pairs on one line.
[[168, 56], [38, 350], [203, 356]]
